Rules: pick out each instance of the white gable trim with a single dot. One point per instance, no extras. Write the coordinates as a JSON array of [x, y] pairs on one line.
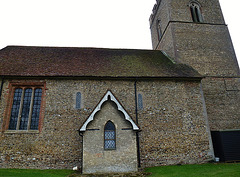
[[120, 108]]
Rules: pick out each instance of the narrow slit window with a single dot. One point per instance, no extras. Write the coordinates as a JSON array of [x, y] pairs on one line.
[[109, 136], [196, 12], [159, 31], [78, 100], [140, 102]]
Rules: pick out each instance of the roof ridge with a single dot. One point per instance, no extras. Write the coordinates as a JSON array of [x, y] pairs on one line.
[[75, 47]]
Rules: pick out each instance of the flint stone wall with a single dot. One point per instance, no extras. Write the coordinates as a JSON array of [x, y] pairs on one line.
[[173, 125]]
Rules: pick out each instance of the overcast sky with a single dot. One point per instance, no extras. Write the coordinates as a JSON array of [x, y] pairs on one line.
[[88, 23]]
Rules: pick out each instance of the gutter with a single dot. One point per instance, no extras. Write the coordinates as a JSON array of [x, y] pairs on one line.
[[137, 133], [1, 88]]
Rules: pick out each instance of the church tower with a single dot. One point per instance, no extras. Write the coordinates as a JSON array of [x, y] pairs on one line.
[[194, 32]]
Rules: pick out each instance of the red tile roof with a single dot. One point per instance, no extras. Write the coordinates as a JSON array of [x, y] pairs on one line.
[[89, 62]]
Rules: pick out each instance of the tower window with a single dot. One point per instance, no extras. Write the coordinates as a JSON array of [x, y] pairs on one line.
[[159, 31], [196, 12], [109, 136]]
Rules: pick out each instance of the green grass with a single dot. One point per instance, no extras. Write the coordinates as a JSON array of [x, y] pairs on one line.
[[204, 170], [34, 173]]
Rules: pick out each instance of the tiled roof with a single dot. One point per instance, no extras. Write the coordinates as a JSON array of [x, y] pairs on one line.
[[89, 62]]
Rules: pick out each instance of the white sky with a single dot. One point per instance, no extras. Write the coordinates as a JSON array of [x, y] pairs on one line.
[[89, 23]]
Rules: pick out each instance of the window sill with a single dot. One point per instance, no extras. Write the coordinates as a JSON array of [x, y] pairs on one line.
[[21, 132], [110, 149]]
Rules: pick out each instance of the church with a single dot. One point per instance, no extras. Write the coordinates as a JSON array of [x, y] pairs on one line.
[[120, 110]]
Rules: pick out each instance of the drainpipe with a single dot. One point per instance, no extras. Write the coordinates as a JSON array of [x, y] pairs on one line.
[[137, 133], [1, 87]]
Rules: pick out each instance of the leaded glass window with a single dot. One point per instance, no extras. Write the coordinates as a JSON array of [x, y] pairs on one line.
[[25, 109], [78, 100], [109, 136], [36, 109], [15, 109]]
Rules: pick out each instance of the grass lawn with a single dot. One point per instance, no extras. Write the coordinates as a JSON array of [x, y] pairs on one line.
[[34, 173], [203, 170]]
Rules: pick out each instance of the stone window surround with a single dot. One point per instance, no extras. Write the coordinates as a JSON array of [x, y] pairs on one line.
[[11, 89]]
